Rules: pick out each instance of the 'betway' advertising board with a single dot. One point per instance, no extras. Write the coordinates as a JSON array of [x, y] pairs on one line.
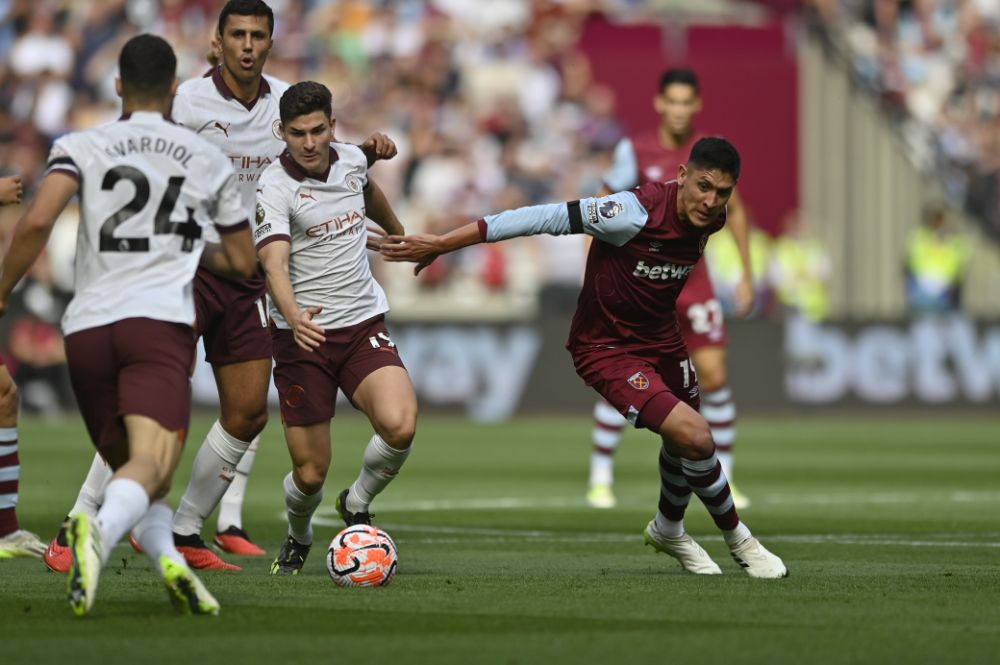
[[493, 372], [929, 361]]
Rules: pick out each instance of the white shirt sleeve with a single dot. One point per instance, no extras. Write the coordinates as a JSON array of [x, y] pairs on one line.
[[273, 216], [615, 219], [228, 210]]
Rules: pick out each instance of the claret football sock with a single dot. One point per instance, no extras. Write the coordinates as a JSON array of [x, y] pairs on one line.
[[719, 409], [214, 469], [381, 464], [705, 478], [675, 494], [607, 434]]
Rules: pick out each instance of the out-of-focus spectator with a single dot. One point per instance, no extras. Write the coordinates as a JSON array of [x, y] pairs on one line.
[[936, 261], [935, 64], [800, 271]]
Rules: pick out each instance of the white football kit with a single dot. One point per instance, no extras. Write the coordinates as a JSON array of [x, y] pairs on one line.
[[149, 190], [323, 217], [248, 134]]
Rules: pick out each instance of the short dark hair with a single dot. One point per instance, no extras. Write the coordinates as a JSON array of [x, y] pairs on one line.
[[681, 76], [147, 66], [715, 152], [304, 98], [246, 8]]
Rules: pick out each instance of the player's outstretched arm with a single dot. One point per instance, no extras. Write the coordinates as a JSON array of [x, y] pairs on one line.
[[379, 210], [274, 257], [739, 225], [233, 257], [378, 146], [33, 229], [423, 248], [10, 190]]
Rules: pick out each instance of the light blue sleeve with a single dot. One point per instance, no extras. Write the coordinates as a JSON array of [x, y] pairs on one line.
[[614, 219], [624, 171]]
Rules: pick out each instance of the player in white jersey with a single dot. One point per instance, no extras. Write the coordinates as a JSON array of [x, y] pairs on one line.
[[329, 315], [148, 190], [235, 107]]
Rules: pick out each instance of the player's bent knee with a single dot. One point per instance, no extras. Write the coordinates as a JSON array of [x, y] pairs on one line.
[[244, 425], [398, 431], [310, 478]]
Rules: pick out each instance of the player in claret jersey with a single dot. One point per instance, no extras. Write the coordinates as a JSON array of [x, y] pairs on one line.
[[329, 315], [625, 338], [148, 190], [235, 106], [654, 156]]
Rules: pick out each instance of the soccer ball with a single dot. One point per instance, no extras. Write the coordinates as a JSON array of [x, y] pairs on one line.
[[362, 555]]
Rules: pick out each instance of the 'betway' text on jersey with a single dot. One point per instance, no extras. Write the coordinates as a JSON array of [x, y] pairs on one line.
[[322, 216], [148, 190]]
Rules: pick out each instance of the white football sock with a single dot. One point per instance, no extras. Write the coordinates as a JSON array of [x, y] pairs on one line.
[[154, 532], [737, 535], [607, 434], [214, 469], [381, 464], [300, 507], [231, 507], [88, 501], [125, 503]]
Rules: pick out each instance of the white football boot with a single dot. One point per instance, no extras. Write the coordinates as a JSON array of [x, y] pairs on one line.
[[757, 561], [693, 558]]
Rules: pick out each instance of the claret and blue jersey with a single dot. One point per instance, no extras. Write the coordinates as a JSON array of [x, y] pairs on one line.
[[636, 270]]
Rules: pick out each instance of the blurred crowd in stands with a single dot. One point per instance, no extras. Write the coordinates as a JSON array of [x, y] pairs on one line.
[[935, 64], [492, 105]]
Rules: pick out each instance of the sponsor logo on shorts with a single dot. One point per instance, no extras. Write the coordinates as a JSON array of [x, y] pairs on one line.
[[638, 381], [664, 272], [610, 209]]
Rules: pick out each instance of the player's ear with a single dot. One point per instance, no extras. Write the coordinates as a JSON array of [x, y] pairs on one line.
[[173, 86], [681, 173], [658, 104], [697, 104], [333, 125], [281, 130], [118, 86]]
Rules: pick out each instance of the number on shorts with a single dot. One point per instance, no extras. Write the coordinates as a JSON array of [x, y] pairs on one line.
[[688, 368], [374, 341], [190, 230], [705, 317]]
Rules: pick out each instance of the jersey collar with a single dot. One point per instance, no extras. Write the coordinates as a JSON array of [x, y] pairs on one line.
[[293, 169], [226, 92], [146, 114]]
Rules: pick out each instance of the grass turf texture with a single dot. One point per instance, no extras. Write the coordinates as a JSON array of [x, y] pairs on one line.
[[889, 529]]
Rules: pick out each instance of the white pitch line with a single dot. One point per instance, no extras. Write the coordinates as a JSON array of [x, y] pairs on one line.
[[784, 499], [484, 535]]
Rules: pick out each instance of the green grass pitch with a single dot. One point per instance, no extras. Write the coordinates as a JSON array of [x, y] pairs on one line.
[[890, 528]]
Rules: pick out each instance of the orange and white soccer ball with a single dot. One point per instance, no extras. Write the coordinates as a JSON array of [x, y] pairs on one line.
[[362, 555]]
